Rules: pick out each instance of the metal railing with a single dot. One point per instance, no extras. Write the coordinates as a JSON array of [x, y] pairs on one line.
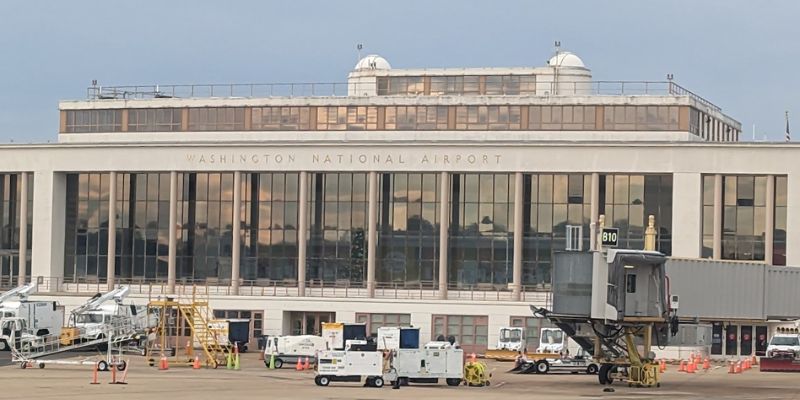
[[424, 290], [342, 89]]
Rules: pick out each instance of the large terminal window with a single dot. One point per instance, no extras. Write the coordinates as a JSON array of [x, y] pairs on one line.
[[84, 121], [154, 120]]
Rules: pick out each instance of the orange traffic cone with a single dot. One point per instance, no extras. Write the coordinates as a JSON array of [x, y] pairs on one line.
[[706, 364], [732, 368], [691, 368], [737, 368], [682, 366], [307, 365], [299, 366], [94, 375], [662, 366], [163, 363], [754, 360], [196, 363]]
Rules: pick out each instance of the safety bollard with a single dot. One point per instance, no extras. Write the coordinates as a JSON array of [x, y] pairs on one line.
[[94, 375]]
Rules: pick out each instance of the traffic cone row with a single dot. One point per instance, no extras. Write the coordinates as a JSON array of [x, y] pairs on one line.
[[302, 366]]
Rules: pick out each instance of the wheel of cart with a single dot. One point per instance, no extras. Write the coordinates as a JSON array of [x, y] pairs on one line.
[[122, 365], [453, 381], [278, 363], [102, 365], [542, 367], [322, 380], [591, 369]]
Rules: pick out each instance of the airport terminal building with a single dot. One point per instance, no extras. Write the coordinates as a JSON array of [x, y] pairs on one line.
[[432, 197]]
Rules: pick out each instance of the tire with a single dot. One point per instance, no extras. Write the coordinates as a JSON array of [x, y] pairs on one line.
[[316, 380], [324, 380], [542, 367], [102, 365], [122, 365], [604, 375], [403, 381], [41, 365], [23, 365], [3, 345], [591, 369], [368, 382], [278, 363], [377, 382], [453, 381]]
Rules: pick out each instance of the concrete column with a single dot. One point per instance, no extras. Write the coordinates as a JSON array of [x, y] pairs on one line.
[[718, 207], [769, 224], [23, 229], [236, 232], [687, 207], [518, 233], [792, 220], [49, 206], [444, 226], [302, 233], [173, 231], [372, 231], [594, 204], [112, 230]]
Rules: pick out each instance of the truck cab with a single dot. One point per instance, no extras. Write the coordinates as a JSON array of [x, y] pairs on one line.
[[551, 340], [784, 345], [511, 338]]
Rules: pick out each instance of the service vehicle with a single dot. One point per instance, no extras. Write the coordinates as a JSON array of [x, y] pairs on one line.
[[580, 362], [288, 349], [351, 366], [510, 342], [437, 360]]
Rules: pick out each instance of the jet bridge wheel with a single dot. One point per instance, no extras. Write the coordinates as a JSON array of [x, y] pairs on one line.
[[605, 375]]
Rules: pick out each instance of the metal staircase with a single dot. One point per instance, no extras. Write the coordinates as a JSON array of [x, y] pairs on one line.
[[197, 314], [181, 318]]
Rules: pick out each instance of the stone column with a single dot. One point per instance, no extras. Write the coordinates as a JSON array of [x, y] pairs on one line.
[[769, 225], [112, 230], [594, 204], [792, 220], [518, 233], [236, 232], [23, 229], [49, 215], [302, 229], [687, 214], [718, 206], [372, 231], [444, 226], [173, 231]]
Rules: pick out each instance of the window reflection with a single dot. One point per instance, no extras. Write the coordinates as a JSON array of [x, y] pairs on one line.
[[481, 238], [408, 230]]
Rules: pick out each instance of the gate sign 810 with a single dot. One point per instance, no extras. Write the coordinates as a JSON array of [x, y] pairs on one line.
[[610, 237]]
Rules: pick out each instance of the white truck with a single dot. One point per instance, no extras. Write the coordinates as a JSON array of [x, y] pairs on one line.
[[288, 349], [26, 319], [93, 319], [784, 345]]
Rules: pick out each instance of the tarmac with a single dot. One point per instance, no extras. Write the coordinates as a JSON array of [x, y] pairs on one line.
[[255, 381]]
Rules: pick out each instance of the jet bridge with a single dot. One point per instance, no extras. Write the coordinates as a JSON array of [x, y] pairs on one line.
[[613, 305]]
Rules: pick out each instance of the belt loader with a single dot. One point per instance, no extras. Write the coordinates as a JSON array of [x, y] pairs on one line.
[[615, 306]]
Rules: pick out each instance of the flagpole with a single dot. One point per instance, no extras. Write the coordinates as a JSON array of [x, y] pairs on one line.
[[788, 135]]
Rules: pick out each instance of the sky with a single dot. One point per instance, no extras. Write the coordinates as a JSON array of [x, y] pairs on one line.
[[741, 55]]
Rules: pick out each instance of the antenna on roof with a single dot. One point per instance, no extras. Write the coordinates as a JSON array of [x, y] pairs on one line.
[[359, 47], [558, 46]]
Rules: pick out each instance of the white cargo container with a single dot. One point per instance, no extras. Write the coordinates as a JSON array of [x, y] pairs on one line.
[[438, 360], [350, 366]]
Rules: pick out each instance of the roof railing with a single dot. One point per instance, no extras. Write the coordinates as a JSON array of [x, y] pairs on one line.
[[358, 89]]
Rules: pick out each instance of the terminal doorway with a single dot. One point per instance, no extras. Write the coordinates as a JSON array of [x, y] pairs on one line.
[[310, 322]]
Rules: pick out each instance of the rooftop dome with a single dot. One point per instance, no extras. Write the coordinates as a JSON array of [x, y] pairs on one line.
[[372, 61], [566, 59]]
